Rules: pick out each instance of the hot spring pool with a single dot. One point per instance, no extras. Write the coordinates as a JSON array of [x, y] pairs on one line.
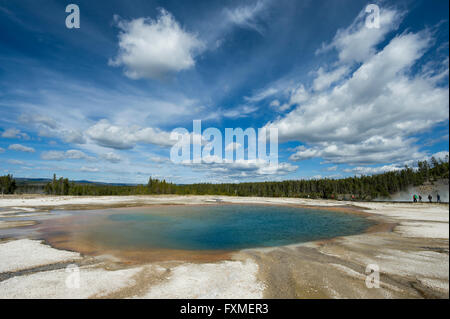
[[211, 227]]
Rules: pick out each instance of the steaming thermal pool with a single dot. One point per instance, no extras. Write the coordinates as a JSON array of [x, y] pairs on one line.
[[209, 227]]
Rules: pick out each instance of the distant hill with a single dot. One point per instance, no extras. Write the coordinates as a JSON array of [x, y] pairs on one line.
[[36, 185], [31, 180], [24, 181]]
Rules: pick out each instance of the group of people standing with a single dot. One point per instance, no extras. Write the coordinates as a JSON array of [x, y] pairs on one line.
[[418, 198]]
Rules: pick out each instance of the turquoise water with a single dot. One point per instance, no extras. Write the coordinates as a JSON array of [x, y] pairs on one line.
[[221, 227]]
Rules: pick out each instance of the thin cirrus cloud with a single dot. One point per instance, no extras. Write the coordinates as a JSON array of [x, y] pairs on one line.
[[89, 169], [15, 162], [155, 48], [63, 155], [79, 155], [246, 16], [159, 159], [240, 111]]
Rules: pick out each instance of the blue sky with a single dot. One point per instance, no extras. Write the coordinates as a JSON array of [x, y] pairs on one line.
[[99, 102]]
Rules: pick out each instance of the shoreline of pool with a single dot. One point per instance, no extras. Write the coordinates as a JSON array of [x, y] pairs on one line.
[[333, 268]]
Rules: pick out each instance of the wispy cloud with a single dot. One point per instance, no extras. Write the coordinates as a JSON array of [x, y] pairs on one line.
[[63, 155], [15, 162], [21, 148], [247, 16], [89, 169]]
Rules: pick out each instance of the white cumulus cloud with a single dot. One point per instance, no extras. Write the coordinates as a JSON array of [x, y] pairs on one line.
[[242, 169], [14, 133], [369, 116], [121, 137], [155, 48]]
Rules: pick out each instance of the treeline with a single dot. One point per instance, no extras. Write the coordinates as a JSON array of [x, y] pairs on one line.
[[7, 184], [59, 186], [154, 186], [362, 187]]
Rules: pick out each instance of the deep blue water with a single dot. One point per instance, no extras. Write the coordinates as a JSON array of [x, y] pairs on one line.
[[221, 227]]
